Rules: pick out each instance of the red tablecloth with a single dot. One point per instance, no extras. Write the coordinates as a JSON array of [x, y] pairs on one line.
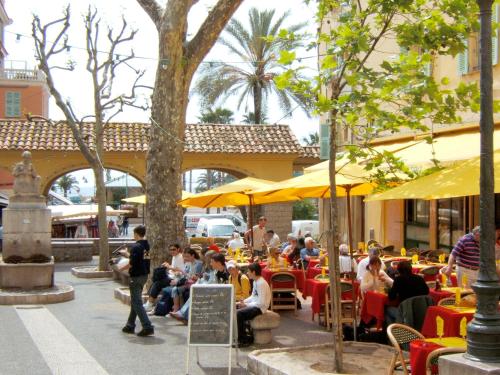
[[316, 289], [438, 295], [299, 276], [451, 319], [420, 349], [374, 307]]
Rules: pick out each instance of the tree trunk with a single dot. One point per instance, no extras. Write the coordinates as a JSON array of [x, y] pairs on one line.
[[257, 103], [333, 256], [164, 159], [102, 218]]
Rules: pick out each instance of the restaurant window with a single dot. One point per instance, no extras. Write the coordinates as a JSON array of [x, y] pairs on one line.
[[450, 222], [417, 223]]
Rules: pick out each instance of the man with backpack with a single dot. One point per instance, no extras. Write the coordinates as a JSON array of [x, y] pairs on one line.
[[138, 269], [241, 283]]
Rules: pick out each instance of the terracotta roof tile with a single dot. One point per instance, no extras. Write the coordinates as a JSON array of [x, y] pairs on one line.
[[310, 152], [133, 137]]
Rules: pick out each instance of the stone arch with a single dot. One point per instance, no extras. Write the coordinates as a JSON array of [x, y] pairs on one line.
[[238, 172], [50, 179]]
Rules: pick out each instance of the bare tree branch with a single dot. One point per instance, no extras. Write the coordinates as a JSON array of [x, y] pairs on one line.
[[209, 31], [154, 11]]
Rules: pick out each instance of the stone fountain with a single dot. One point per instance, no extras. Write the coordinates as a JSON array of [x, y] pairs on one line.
[[27, 264]]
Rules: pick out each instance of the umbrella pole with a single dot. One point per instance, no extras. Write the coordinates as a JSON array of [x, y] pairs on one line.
[[349, 231], [250, 221]]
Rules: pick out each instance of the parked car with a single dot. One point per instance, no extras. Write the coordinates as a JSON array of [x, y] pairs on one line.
[[191, 221], [301, 227], [208, 227]]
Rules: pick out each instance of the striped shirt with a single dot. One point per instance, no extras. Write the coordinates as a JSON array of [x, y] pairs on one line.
[[466, 252]]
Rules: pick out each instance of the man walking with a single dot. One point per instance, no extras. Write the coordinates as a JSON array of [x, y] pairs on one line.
[[466, 255], [138, 269]]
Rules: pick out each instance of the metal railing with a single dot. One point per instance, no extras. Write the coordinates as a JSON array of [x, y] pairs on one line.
[[22, 75]]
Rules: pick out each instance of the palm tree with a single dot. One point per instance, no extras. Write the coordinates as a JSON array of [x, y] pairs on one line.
[[312, 139], [249, 118], [218, 115], [206, 180], [254, 79], [66, 183]]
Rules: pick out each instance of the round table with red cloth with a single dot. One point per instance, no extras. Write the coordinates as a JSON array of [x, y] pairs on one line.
[[299, 276], [451, 317], [438, 295], [374, 307], [316, 289], [420, 349]]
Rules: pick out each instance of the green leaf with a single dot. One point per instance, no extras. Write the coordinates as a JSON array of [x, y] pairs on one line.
[[286, 57]]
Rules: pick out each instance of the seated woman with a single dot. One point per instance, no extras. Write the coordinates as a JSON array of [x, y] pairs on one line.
[[290, 247], [239, 281], [274, 260], [406, 285], [192, 272], [294, 256], [375, 279]]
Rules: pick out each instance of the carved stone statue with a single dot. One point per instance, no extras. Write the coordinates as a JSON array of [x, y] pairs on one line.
[[26, 181]]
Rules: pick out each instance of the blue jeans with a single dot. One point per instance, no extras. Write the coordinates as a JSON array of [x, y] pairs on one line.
[[184, 311], [136, 308]]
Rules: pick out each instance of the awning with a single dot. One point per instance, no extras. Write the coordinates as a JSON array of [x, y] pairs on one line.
[[459, 180], [141, 199]]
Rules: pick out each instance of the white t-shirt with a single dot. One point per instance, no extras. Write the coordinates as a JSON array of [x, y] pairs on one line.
[[178, 261], [362, 267], [258, 237], [373, 283], [347, 264], [261, 295], [274, 241]]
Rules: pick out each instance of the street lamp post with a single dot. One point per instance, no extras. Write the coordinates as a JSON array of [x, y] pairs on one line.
[[483, 333]]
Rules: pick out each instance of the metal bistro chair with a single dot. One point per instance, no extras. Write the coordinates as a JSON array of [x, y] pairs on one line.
[[449, 301], [400, 336], [433, 255], [346, 306], [431, 364], [429, 271], [280, 302]]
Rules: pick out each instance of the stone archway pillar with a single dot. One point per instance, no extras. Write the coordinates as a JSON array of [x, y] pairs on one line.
[[279, 218]]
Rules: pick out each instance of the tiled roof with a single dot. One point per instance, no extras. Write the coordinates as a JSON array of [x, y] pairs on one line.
[[133, 137], [310, 152]]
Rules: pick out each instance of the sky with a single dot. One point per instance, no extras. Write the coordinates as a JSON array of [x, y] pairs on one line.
[[76, 87]]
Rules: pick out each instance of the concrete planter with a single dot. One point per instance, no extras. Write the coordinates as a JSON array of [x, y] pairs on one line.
[[359, 358], [90, 272]]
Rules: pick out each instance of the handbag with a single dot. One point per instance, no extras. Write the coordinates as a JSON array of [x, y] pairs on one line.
[[159, 273]]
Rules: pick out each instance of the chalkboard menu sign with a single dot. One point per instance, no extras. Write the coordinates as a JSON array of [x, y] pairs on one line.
[[211, 315]]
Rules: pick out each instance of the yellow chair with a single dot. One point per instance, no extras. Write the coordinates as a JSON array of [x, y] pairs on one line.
[[432, 359], [400, 337]]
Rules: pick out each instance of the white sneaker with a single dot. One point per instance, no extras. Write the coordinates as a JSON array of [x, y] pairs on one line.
[[148, 306]]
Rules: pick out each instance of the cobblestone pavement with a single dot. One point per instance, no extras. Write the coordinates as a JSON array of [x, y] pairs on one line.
[[84, 336]]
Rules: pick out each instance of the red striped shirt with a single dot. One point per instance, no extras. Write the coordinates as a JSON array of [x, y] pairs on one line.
[[466, 252]]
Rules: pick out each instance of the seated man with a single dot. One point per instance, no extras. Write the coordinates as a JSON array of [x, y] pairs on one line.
[[309, 252], [240, 281], [171, 272], [271, 239], [347, 264], [254, 305], [220, 276], [290, 246]]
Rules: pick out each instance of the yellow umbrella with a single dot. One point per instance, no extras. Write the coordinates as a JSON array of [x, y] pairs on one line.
[[459, 180], [236, 193], [141, 199]]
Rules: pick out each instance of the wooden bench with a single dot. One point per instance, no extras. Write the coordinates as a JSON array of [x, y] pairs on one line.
[[262, 326]]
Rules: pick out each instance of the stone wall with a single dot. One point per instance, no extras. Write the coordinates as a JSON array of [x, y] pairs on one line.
[[279, 218], [81, 250]]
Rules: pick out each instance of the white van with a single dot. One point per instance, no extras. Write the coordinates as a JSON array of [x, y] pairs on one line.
[[191, 221], [208, 227], [301, 227]]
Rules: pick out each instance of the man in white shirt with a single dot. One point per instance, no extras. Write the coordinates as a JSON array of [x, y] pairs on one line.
[[254, 305], [363, 264], [271, 239], [257, 241]]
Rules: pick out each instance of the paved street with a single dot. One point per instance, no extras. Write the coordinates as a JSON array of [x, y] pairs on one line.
[[84, 337]]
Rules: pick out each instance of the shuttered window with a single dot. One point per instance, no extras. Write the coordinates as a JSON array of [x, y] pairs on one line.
[[12, 104], [324, 141]]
